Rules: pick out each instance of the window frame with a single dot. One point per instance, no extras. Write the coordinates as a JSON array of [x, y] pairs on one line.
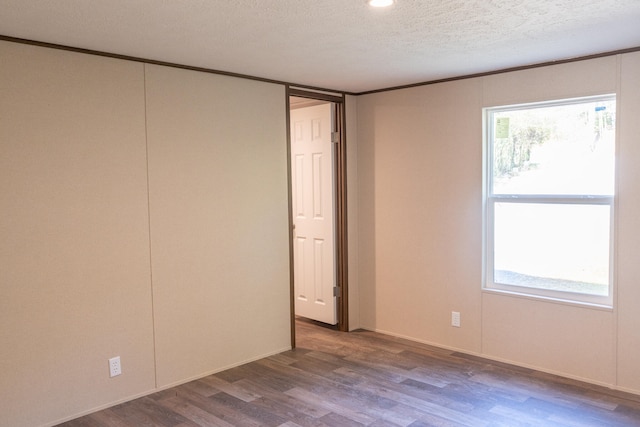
[[490, 199]]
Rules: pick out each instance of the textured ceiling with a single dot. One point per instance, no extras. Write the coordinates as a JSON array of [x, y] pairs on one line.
[[335, 44]]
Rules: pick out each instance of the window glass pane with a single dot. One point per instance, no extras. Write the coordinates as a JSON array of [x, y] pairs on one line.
[[560, 149], [562, 247]]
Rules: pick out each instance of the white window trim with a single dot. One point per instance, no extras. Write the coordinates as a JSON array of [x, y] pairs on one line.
[[490, 199]]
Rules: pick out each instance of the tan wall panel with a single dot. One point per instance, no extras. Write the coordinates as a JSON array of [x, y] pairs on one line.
[[576, 341], [351, 106], [367, 213], [574, 79], [628, 214], [219, 220], [74, 253], [420, 171], [565, 339]]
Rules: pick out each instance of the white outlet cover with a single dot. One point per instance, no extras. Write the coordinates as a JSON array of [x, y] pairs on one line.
[[114, 367], [455, 319]]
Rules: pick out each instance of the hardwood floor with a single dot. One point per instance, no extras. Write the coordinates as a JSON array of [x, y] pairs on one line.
[[365, 378]]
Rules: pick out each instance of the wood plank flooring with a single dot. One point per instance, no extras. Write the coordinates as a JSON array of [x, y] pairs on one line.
[[364, 378]]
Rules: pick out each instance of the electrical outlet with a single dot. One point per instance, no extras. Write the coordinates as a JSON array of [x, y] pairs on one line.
[[455, 319], [114, 366]]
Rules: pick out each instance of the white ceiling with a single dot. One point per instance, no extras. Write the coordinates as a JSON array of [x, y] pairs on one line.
[[342, 45]]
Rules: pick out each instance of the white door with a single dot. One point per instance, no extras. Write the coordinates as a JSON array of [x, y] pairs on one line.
[[313, 213]]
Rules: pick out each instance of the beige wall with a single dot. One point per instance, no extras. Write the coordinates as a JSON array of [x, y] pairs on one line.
[[74, 252], [351, 110], [628, 232], [88, 216], [144, 214], [420, 225], [219, 221], [525, 331], [419, 198]]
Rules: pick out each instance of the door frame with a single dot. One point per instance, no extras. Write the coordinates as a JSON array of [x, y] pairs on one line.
[[340, 214]]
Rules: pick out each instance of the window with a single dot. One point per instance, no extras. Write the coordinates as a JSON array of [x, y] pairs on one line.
[[549, 192]]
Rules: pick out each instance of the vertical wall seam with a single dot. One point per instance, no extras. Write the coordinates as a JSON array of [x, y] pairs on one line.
[[153, 310], [616, 252], [481, 83]]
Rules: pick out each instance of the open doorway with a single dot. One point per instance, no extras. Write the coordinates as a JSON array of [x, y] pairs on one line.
[[318, 208]]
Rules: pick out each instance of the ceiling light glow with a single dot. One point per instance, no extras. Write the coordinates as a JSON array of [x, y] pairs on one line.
[[380, 3]]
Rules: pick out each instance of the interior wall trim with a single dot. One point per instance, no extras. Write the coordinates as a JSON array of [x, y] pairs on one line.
[[314, 88], [163, 63], [316, 94], [505, 70]]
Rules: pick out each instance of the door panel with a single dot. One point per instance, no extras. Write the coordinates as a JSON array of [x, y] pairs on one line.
[[313, 213]]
